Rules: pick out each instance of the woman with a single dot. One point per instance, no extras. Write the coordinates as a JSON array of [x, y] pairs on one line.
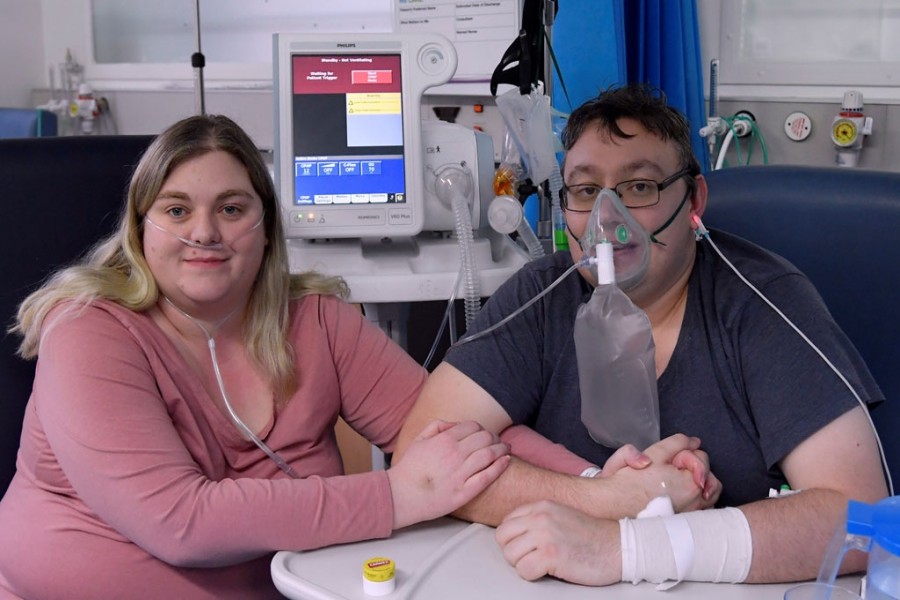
[[180, 427]]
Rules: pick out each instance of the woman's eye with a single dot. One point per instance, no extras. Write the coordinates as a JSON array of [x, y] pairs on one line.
[[231, 210], [176, 211]]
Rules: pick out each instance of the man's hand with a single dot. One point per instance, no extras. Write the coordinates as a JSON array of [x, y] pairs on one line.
[[444, 468], [546, 538], [680, 451]]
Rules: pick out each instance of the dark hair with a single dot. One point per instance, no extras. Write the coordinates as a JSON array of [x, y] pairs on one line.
[[645, 104]]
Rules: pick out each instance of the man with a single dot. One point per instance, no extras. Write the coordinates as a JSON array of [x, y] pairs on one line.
[[729, 371]]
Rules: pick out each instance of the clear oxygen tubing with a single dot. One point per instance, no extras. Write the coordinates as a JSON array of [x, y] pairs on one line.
[[199, 245], [585, 261], [282, 464], [444, 321], [234, 416], [703, 233]]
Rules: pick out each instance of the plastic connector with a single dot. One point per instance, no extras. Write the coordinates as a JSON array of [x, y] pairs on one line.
[[743, 123], [741, 127]]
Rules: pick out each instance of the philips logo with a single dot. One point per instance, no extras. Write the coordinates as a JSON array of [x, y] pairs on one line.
[[346, 45]]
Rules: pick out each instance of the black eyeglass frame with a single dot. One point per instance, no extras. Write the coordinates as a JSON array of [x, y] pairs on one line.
[[660, 186]]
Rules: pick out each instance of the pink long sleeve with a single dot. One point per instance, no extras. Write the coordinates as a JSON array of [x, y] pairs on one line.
[[532, 447], [124, 453]]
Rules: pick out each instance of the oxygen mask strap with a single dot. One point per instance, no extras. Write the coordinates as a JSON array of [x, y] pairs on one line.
[[670, 219]]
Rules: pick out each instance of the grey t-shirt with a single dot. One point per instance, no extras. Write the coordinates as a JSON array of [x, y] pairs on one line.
[[739, 378]]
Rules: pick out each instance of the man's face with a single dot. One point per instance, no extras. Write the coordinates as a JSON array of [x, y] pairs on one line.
[[607, 161]]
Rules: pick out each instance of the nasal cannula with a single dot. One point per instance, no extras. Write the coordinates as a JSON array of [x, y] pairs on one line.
[[282, 464], [211, 343], [702, 233]]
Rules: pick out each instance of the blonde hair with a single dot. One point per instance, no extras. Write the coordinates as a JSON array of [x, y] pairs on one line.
[[115, 269]]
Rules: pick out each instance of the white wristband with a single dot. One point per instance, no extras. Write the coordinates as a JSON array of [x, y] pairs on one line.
[[590, 472], [704, 545]]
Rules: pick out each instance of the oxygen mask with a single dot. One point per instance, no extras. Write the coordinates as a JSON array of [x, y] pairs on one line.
[[611, 222]]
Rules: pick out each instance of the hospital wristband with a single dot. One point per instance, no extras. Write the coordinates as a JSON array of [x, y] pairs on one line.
[[591, 471]]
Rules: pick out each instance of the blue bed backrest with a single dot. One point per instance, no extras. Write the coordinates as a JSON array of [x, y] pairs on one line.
[[840, 226]]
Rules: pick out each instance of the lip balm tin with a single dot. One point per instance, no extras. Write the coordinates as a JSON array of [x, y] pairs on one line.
[[378, 576]]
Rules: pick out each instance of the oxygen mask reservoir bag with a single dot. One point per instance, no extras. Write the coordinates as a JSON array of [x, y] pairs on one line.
[[616, 365], [611, 222]]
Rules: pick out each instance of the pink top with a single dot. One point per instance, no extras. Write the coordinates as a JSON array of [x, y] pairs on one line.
[[128, 475]]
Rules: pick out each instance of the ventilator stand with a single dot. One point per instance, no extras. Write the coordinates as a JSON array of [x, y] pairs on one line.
[[198, 62]]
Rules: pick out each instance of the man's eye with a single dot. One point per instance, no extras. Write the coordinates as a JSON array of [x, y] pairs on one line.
[[641, 188], [586, 191]]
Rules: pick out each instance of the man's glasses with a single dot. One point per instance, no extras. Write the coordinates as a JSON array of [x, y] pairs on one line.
[[634, 193]]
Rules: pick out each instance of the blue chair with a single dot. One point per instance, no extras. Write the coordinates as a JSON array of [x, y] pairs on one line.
[[26, 123], [840, 227], [61, 195]]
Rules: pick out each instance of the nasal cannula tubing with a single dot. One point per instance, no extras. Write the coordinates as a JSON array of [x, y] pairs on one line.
[[234, 417], [703, 233], [201, 246]]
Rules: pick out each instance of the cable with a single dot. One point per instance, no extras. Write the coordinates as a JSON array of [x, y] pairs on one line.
[[703, 232], [582, 263], [444, 321]]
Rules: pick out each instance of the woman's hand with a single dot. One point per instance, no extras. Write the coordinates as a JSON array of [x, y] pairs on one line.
[[445, 467]]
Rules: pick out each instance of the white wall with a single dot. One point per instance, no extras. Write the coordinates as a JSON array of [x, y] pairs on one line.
[[21, 52], [36, 33]]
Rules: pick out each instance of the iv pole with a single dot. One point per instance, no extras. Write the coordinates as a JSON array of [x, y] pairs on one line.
[[198, 62]]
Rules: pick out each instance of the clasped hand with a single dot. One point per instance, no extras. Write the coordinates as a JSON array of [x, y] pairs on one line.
[[674, 467], [547, 538], [445, 467]]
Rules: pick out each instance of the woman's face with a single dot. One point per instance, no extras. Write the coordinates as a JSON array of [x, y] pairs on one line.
[[203, 235]]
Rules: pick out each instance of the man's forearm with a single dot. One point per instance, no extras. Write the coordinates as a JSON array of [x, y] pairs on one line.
[[790, 535], [523, 483]]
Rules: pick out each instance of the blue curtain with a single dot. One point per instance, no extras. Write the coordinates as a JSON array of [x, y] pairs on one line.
[[589, 45], [662, 46]]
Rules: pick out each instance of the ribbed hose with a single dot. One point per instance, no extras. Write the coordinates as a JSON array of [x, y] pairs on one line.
[[466, 240], [532, 243]]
